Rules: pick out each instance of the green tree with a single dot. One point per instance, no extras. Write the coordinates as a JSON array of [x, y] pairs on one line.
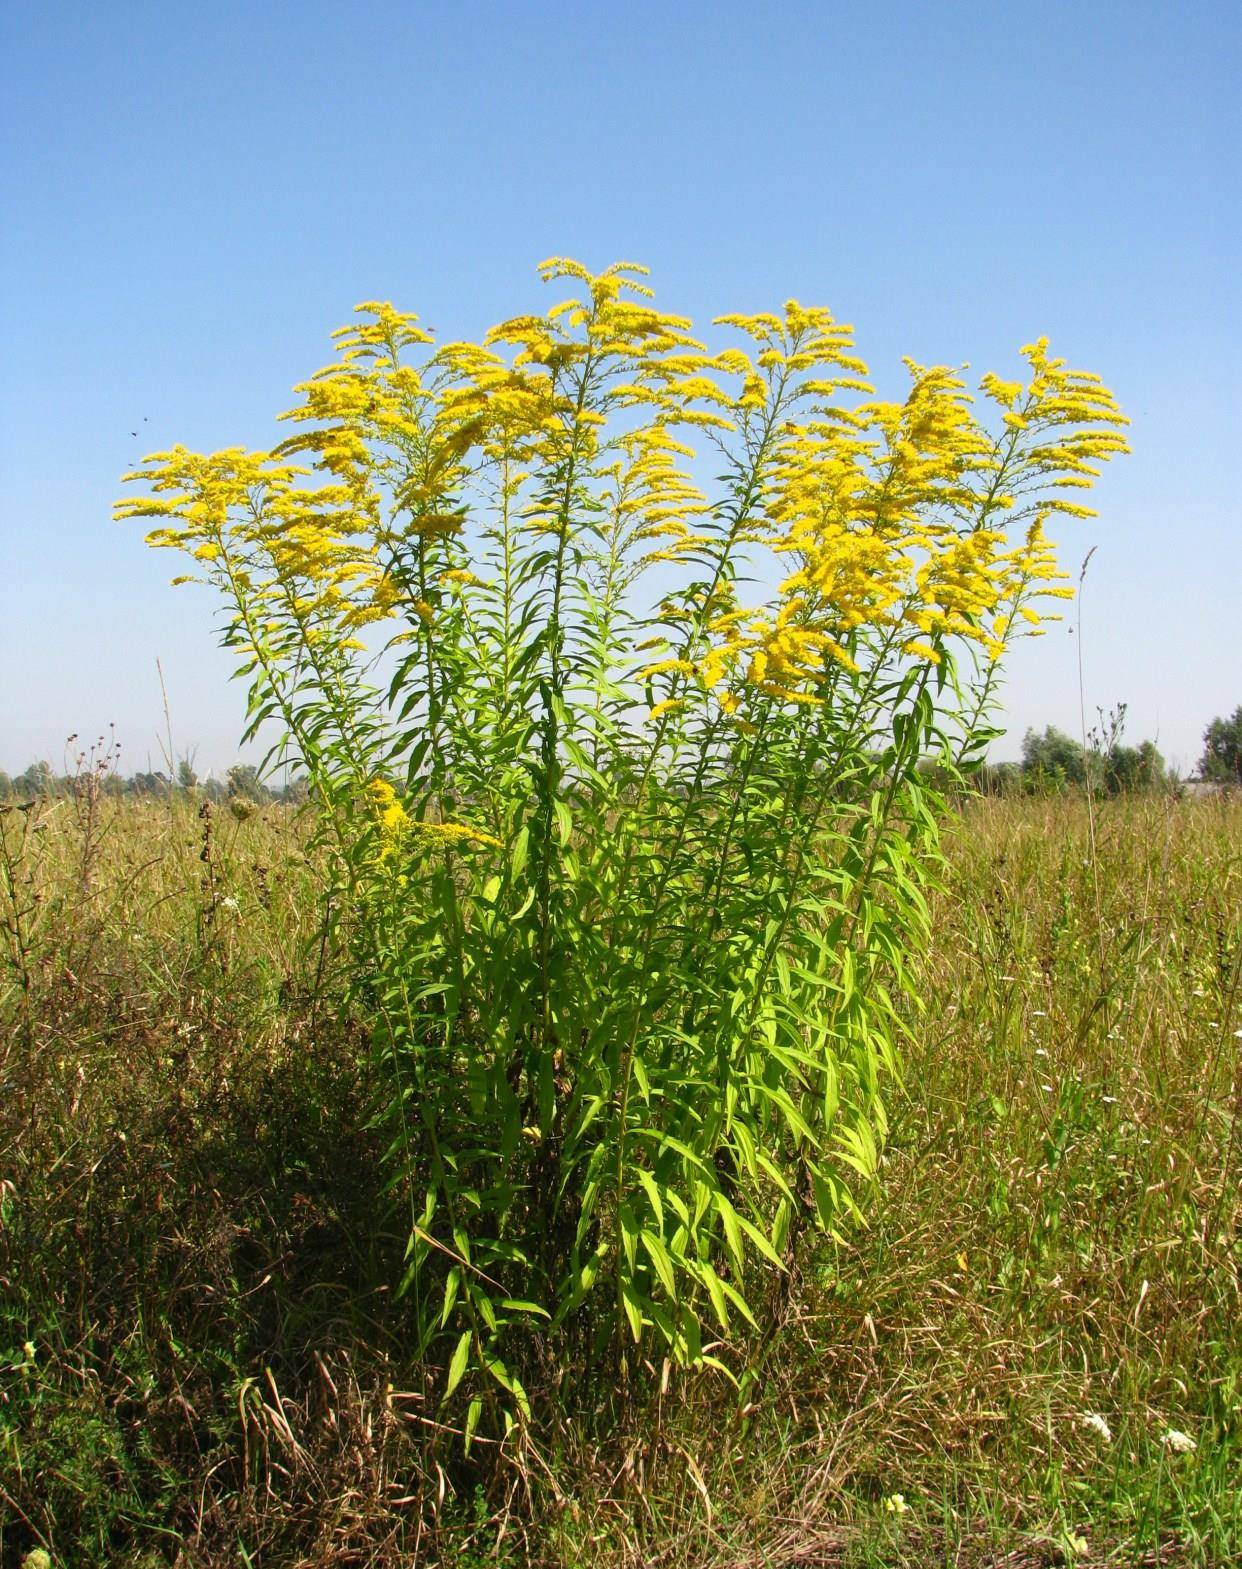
[[1222, 750], [1127, 769], [296, 792], [38, 779], [999, 778], [244, 783], [149, 783], [1053, 758]]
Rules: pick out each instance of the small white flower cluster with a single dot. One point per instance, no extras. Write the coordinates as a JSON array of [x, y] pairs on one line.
[[1173, 1439]]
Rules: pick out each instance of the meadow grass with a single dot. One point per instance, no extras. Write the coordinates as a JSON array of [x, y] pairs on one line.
[[201, 1361]]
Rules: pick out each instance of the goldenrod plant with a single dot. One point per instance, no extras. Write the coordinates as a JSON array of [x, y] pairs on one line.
[[611, 658]]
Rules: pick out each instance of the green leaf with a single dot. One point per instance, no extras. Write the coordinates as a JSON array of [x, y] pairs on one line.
[[715, 1291], [457, 1363], [633, 1305], [653, 1193], [732, 1229], [510, 1382], [452, 1285], [658, 1254], [520, 853], [516, 1305], [564, 821]]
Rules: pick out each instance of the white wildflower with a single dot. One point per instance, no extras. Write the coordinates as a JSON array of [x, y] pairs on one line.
[[1097, 1424], [1179, 1443]]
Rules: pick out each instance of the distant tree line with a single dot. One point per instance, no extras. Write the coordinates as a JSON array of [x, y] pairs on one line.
[[242, 783], [1051, 762]]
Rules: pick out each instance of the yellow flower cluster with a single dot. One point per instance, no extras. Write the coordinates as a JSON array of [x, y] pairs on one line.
[[459, 834], [388, 808], [890, 509], [894, 519], [305, 553], [394, 823]]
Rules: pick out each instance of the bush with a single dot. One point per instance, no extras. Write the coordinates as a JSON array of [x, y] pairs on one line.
[[630, 852]]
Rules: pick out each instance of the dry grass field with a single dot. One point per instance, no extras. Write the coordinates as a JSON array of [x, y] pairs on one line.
[[1030, 1354]]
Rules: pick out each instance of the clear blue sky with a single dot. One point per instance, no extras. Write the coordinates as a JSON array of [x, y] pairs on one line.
[[195, 194]]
